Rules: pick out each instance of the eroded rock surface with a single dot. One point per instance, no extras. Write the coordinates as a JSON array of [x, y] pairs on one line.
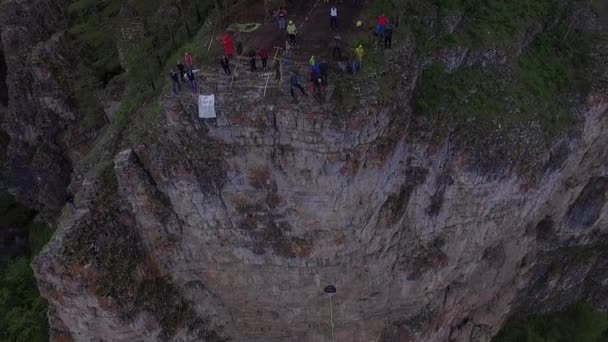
[[230, 229], [248, 224]]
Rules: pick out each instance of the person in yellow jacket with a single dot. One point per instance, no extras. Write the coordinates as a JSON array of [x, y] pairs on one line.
[[359, 53], [291, 31]]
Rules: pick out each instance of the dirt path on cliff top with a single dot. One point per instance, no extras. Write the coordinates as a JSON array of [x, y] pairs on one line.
[[310, 16]]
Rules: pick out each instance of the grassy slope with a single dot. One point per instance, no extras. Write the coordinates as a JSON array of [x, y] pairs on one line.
[[534, 86], [537, 86]]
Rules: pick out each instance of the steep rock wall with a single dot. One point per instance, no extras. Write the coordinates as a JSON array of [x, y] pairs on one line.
[[230, 229], [41, 121], [35, 166], [264, 207]]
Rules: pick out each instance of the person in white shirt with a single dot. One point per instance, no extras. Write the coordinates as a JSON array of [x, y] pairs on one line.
[[333, 18]]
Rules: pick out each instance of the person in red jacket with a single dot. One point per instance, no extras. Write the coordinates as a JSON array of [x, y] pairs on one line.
[[227, 42], [382, 21], [263, 53], [188, 60]]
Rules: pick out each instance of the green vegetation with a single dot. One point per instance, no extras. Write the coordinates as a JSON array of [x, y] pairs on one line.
[[580, 322], [22, 310], [483, 23], [152, 29], [39, 235], [536, 87], [379, 7], [498, 21], [150, 36], [13, 214]]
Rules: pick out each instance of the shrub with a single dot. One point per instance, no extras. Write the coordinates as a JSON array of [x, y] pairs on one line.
[[539, 86], [22, 310], [580, 322]]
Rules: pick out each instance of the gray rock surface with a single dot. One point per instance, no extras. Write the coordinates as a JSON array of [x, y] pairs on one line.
[[35, 166], [230, 229], [263, 213]]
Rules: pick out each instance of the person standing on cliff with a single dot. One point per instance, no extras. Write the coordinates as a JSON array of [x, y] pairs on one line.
[[252, 60], [359, 52], [263, 53], [188, 60], [315, 79], [192, 79], [175, 78], [291, 32], [281, 14], [277, 70], [323, 71], [382, 21], [337, 48], [182, 70], [312, 62], [227, 42], [388, 36], [333, 18], [225, 63], [293, 82]]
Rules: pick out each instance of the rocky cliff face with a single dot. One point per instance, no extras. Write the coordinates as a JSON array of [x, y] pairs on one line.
[[39, 114], [248, 222], [230, 229]]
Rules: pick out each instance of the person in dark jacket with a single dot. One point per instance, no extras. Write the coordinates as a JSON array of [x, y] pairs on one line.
[[337, 48], [323, 70], [263, 53], [315, 78], [175, 78], [293, 81], [252, 60], [388, 36], [225, 63], [192, 79], [354, 65], [182, 70]]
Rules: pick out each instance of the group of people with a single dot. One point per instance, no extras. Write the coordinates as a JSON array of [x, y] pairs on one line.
[[228, 46], [318, 71], [281, 15], [384, 32], [263, 54], [183, 73]]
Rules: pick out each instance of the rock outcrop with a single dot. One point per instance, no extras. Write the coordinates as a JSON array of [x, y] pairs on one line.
[[248, 220], [230, 229]]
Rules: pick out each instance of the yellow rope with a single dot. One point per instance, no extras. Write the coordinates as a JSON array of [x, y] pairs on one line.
[[331, 317]]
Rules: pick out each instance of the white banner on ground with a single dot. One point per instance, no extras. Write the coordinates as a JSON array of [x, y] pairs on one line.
[[206, 106]]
